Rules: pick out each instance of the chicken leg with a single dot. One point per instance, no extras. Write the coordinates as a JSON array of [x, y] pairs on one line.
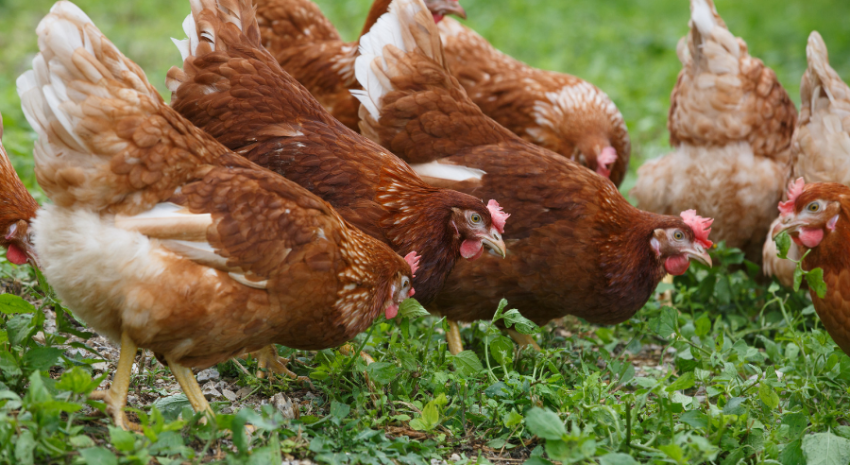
[[453, 338], [523, 339], [190, 386], [116, 396], [267, 358]]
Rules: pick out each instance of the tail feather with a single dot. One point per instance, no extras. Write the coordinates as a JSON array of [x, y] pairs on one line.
[[203, 27], [105, 137]]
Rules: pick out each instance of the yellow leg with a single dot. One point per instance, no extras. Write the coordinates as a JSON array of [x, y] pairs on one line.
[[267, 358], [523, 339], [666, 297], [116, 396], [190, 386], [347, 349], [453, 338]]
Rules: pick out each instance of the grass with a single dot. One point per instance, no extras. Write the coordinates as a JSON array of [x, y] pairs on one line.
[[732, 370]]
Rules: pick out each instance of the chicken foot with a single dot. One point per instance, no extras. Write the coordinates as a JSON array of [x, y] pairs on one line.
[[190, 386], [116, 396], [453, 338], [267, 358]]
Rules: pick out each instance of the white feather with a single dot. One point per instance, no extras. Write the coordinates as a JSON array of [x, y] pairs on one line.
[[183, 46], [702, 16], [438, 170]]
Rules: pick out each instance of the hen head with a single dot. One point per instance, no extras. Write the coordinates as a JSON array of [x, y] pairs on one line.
[[477, 227], [680, 241], [400, 287], [813, 211], [16, 240], [440, 8]]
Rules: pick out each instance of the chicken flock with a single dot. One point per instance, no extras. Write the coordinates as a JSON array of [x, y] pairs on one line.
[[298, 187]]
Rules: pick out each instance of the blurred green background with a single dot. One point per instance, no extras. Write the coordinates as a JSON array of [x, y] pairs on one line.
[[626, 47]]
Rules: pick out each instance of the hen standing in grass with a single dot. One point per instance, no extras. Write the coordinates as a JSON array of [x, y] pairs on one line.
[[310, 49], [17, 210], [162, 238], [560, 112], [817, 216], [576, 246], [821, 143], [731, 124], [234, 89]]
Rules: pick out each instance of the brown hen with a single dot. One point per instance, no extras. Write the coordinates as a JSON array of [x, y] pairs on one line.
[[817, 216], [576, 246], [560, 112], [820, 148], [162, 238], [310, 49], [17, 209], [730, 124]]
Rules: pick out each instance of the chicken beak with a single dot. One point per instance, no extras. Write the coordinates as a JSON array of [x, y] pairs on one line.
[[447, 7], [699, 254], [494, 243], [790, 226]]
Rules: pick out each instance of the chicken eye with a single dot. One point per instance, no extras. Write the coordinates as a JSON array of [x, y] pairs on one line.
[[475, 218], [678, 235], [405, 282], [813, 207]]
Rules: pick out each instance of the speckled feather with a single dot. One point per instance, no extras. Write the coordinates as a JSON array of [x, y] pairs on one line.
[[240, 95], [17, 207], [560, 112], [113, 150], [575, 245]]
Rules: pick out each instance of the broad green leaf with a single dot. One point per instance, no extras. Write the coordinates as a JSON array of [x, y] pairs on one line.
[[686, 381], [520, 323], [826, 449], [11, 304], [19, 327], [430, 417], [665, 323], [545, 424], [24, 447], [339, 410], [816, 283], [558, 450], [702, 326], [8, 364], [467, 363], [735, 406], [511, 419], [617, 458], [502, 350], [123, 441], [81, 441], [768, 396], [798, 277], [792, 454], [41, 358], [77, 381], [674, 452], [98, 456], [382, 372], [411, 308], [535, 460], [695, 419], [171, 406], [783, 244]]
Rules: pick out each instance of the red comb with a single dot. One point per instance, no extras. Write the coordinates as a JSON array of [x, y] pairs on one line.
[[699, 225], [498, 215], [604, 161], [413, 260], [795, 188]]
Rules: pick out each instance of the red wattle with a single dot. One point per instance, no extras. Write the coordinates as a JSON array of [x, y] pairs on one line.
[[16, 255], [437, 18], [811, 237], [471, 249], [677, 265], [391, 311]]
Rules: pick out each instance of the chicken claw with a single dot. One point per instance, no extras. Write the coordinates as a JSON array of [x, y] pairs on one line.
[[267, 358], [190, 386], [116, 396]]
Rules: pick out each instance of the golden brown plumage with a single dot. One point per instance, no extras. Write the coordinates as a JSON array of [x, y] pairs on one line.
[[240, 95], [576, 246], [730, 124], [820, 148], [817, 216], [310, 49], [17, 209], [163, 238], [560, 112]]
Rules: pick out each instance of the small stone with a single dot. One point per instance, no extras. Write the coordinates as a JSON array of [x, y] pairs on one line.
[[227, 410], [284, 405], [102, 366], [438, 462], [230, 395], [455, 457], [132, 400], [210, 392], [243, 392], [208, 375]]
